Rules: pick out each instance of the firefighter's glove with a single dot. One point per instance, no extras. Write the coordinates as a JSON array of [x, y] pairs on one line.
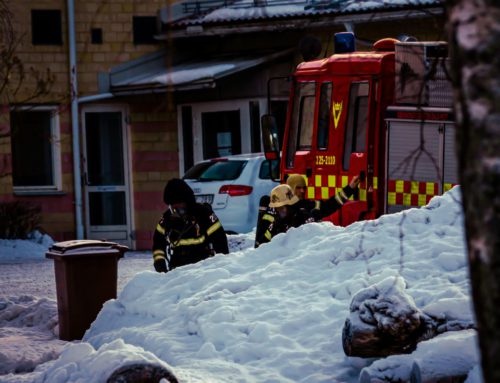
[[160, 265], [316, 215]]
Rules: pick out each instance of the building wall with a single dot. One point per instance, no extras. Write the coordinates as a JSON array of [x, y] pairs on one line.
[[153, 138], [155, 160], [114, 17]]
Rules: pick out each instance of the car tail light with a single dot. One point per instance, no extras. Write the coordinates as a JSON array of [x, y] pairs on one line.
[[235, 190]]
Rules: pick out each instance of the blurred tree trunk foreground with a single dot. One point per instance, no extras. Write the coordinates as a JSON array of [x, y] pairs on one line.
[[474, 36]]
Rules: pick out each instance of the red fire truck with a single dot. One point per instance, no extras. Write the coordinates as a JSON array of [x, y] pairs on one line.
[[385, 114]]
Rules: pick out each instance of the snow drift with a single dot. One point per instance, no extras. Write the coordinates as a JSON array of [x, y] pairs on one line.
[[275, 314]]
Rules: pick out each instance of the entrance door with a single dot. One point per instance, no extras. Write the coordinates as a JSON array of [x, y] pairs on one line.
[[107, 192], [221, 133], [217, 129]]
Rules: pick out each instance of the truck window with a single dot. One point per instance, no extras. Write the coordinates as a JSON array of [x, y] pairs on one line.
[[306, 121], [301, 126], [357, 121], [325, 100]]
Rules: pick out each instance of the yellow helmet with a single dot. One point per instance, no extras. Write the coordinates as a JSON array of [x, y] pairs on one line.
[[296, 180], [282, 195]]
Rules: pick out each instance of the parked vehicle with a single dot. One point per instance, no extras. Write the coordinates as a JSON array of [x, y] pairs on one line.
[[233, 185], [385, 114]]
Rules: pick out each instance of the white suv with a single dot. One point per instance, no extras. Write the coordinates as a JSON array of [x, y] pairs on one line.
[[233, 185]]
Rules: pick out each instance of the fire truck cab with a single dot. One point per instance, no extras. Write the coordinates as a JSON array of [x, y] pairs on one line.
[[383, 115]]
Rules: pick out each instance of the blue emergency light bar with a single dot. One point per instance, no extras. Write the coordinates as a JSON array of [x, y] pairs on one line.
[[344, 42]]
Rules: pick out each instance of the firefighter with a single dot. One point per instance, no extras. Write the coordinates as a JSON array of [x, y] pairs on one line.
[[264, 218], [294, 211], [188, 232], [321, 208]]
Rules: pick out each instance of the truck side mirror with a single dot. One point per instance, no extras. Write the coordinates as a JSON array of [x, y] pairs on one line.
[[270, 137], [271, 144]]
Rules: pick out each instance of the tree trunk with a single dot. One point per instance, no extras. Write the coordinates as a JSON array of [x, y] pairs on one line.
[[474, 35]]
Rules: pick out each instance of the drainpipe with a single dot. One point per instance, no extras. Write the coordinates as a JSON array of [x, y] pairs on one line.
[[74, 120]]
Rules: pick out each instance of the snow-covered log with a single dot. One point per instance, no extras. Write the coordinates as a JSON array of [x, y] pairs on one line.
[[142, 373], [447, 358], [384, 321]]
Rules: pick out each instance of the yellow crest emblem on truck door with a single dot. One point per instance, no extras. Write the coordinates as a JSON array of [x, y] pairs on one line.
[[337, 111]]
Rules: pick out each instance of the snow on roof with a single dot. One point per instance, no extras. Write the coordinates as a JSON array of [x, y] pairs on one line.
[[248, 10], [199, 72]]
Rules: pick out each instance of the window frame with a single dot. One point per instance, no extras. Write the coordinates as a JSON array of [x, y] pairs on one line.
[[55, 133], [326, 128], [351, 131], [295, 130], [305, 128]]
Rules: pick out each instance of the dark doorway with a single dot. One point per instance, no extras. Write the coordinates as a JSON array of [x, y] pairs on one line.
[[221, 133]]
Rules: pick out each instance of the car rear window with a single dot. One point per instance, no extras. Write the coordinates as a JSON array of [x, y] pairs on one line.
[[223, 171], [197, 170]]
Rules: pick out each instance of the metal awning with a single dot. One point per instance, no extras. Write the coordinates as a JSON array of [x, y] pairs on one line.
[[153, 75]]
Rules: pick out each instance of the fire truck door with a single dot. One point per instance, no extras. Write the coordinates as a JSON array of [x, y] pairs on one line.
[[355, 149]]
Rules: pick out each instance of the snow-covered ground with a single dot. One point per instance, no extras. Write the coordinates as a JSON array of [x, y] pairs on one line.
[[273, 314]]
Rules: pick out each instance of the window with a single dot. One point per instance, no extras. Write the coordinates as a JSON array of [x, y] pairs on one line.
[[223, 171], [144, 29], [35, 149], [221, 133], [306, 121], [197, 170], [325, 100], [187, 135], [46, 27], [300, 134], [357, 122], [96, 35], [255, 126]]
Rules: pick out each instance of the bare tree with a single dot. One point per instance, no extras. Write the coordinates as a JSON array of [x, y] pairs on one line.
[[474, 28], [13, 73]]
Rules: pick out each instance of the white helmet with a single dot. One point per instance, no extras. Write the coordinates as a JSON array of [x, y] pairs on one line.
[[282, 195]]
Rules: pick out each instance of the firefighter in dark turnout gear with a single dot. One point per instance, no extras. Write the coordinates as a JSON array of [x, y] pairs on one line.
[[323, 208], [288, 209], [188, 232]]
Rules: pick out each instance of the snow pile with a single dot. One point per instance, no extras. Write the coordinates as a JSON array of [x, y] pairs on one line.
[[35, 247], [30, 323], [81, 362], [239, 242], [275, 314], [449, 354]]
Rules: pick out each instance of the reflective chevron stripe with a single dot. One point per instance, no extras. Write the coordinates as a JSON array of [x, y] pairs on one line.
[[213, 228], [160, 229], [189, 241]]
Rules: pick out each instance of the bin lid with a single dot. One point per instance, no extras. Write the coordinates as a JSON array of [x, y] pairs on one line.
[[86, 246]]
